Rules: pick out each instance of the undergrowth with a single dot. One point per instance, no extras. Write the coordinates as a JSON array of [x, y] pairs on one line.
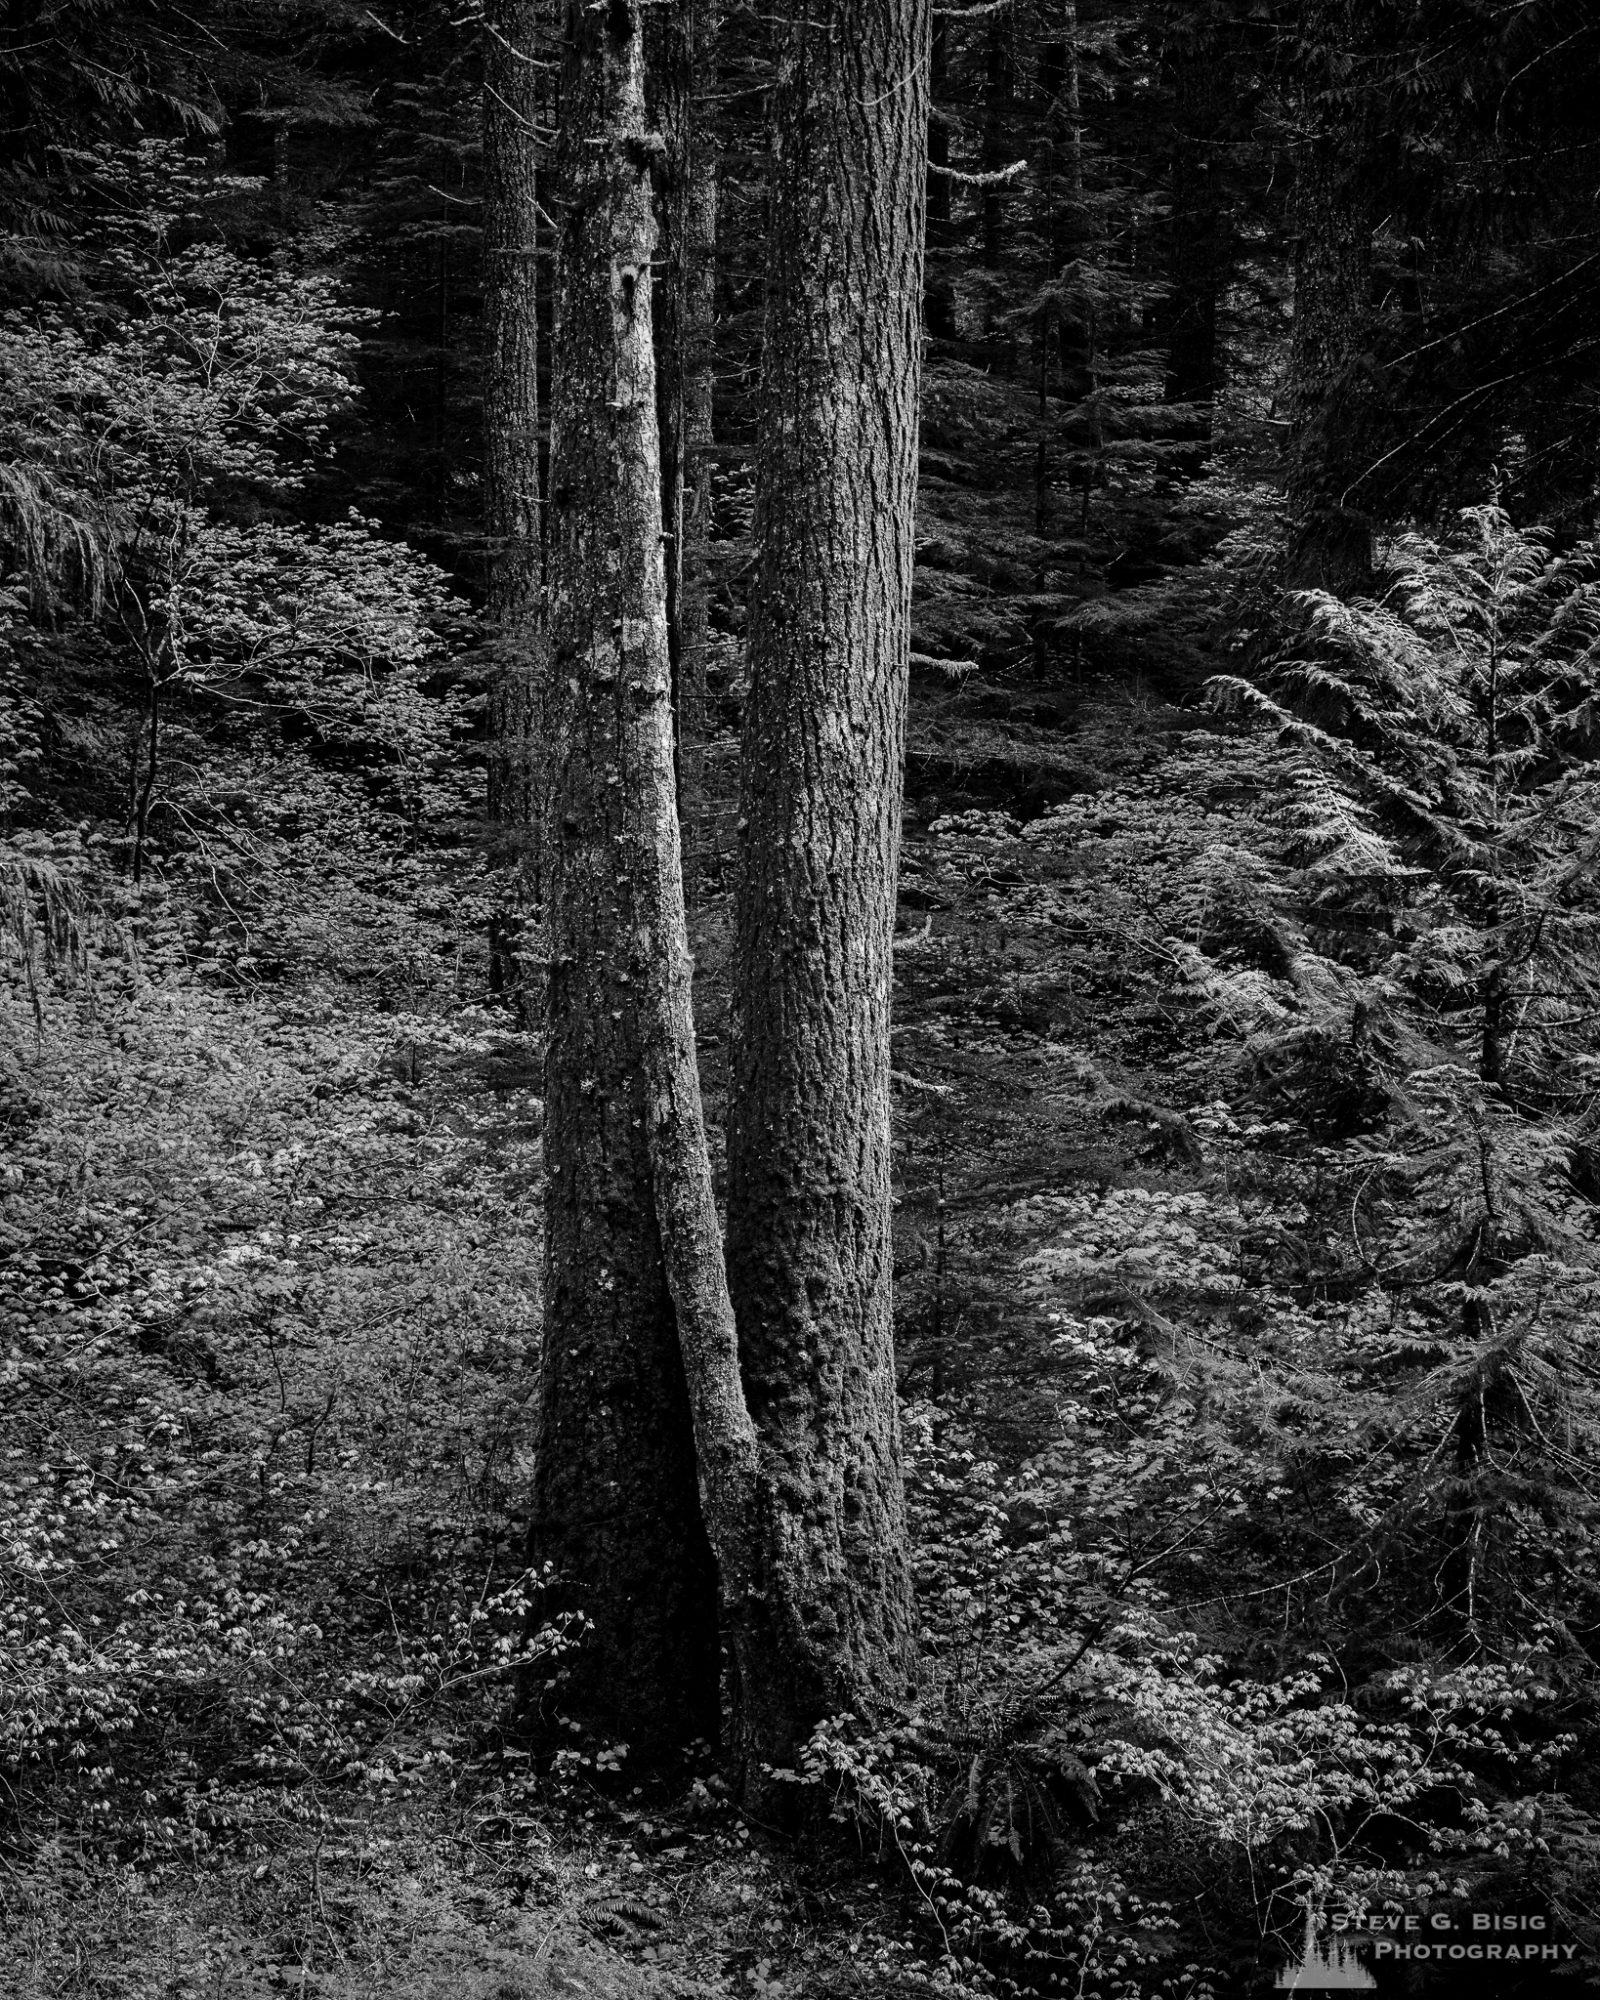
[[1245, 1338]]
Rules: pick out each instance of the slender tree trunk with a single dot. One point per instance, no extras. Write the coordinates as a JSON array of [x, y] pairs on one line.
[[735, 1492], [999, 84], [699, 462], [809, 1254], [144, 786], [1330, 537], [1064, 227], [1079, 249], [1199, 248], [616, 1504], [511, 460], [939, 299], [683, 60], [1467, 1508]]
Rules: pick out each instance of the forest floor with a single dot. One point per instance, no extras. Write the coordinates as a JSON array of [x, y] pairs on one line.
[[277, 1241]]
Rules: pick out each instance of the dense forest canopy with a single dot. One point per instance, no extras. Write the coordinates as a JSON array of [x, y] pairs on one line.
[[800, 1026]]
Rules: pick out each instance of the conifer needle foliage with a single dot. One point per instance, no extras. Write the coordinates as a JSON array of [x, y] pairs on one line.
[[1440, 910]]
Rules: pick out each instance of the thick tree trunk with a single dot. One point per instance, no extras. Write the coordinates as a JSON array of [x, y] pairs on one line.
[[1330, 537], [809, 1254], [684, 64], [616, 1504], [511, 462]]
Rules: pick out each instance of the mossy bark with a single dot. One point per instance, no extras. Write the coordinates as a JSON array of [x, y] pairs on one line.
[[616, 1501], [809, 1254]]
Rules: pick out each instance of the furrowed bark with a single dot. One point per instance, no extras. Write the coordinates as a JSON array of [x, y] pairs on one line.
[[809, 1253]]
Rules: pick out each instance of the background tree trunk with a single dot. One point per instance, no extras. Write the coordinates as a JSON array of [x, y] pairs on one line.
[[809, 1252], [684, 67], [939, 299], [692, 704], [511, 98], [999, 85], [616, 1505], [1200, 246], [1330, 536]]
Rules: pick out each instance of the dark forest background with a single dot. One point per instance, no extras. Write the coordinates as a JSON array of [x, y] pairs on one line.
[[1247, 1073]]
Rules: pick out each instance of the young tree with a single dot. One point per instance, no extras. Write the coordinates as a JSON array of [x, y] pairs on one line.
[[809, 1255], [1448, 807], [615, 1504]]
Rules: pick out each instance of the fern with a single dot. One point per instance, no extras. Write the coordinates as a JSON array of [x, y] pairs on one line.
[[1439, 864]]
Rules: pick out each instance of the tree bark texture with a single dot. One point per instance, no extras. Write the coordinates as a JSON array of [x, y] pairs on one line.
[[1330, 377], [683, 67], [616, 1504], [809, 1255], [511, 458]]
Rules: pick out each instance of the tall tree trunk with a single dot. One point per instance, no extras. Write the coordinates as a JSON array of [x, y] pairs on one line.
[[1330, 537], [699, 463], [999, 84], [1065, 230], [939, 298], [1081, 252], [1200, 248], [809, 1255], [511, 459], [615, 1504], [683, 62]]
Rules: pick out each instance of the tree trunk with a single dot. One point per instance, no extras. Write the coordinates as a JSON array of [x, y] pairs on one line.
[[735, 1493], [699, 462], [684, 62], [939, 298], [1330, 537], [144, 787], [511, 460], [999, 85], [616, 1504], [809, 1255], [1065, 232], [1467, 1506], [1200, 246]]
